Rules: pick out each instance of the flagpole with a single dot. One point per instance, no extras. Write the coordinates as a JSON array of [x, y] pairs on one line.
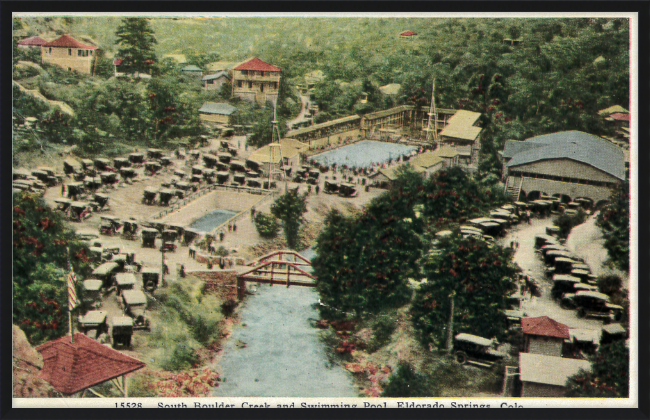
[[67, 283]]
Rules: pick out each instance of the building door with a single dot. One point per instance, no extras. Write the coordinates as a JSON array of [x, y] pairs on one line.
[[261, 87]]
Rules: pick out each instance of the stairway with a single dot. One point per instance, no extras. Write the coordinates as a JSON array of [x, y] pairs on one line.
[[513, 189]]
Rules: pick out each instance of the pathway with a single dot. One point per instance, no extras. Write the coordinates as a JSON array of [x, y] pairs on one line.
[[531, 264]]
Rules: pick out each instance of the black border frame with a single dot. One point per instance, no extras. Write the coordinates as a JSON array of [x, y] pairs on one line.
[[643, 9]]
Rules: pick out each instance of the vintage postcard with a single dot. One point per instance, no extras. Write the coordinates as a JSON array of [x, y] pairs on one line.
[[325, 210]]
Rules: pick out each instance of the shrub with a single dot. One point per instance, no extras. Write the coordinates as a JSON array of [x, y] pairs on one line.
[[382, 330], [566, 222], [267, 225], [182, 357], [228, 307], [405, 382], [609, 284]]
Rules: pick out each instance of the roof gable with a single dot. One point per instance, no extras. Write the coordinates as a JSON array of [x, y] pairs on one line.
[[72, 367], [33, 41], [256, 64], [217, 75], [461, 126], [574, 145], [66, 41], [219, 108], [549, 370], [544, 326], [611, 110]]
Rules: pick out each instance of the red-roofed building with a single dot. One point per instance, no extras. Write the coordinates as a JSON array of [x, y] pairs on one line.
[[257, 81], [69, 53], [620, 117], [544, 335], [73, 367], [32, 42], [407, 34]]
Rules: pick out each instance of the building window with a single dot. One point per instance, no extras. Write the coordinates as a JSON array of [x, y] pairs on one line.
[[69, 51], [50, 51], [90, 52], [250, 85], [244, 72], [262, 73], [240, 83], [79, 53]]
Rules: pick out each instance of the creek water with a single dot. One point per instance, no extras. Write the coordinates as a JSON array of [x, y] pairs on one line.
[[276, 352]]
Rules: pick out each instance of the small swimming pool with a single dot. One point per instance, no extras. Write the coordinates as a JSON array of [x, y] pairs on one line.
[[363, 154], [211, 220]]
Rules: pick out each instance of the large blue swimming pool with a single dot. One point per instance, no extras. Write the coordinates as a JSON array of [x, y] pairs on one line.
[[211, 220], [363, 154]]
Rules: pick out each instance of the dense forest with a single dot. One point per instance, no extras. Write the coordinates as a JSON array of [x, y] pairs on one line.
[[560, 74]]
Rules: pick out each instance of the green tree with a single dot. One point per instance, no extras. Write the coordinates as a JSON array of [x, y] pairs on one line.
[[614, 222], [405, 382], [290, 208], [609, 376], [479, 276], [172, 115], [136, 40], [40, 268], [363, 262], [267, 225]]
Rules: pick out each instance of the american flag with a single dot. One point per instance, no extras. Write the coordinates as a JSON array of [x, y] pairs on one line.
[[72, 293]]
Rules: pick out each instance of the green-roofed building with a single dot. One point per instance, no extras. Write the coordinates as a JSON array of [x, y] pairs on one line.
[[216, 113], [570, 163], [193, 71]]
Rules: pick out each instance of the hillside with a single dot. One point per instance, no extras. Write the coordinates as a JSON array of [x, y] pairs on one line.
[[557, 78]]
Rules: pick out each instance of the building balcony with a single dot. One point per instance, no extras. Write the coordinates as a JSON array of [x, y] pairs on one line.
[[249, 78]]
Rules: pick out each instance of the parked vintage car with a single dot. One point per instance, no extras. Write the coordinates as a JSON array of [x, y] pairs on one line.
[[121, 331], [93, 324], [134, 303], [476, 350]]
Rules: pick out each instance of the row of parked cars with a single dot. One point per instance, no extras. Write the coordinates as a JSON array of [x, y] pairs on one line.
[[35, 181], [149, 231], [574, 286], [115, 270]]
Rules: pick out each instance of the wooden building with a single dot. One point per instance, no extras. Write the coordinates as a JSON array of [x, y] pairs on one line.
[[288, 150], [256, 81], [393, 120], [216, 113], [462, 133], [330, 132], [69, 54], [571, 163], [543, 335], [215, 81], [546, 376]]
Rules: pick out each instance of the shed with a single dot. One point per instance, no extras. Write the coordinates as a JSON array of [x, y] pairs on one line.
[[544, 335], [546, 376]]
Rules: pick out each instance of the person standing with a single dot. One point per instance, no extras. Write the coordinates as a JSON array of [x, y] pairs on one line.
[[234, 228]]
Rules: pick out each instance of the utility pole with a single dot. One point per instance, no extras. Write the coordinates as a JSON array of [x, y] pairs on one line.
[[162, 264], [450, 325]]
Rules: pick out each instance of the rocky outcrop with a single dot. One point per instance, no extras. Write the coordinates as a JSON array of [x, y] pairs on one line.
[[27, 364]]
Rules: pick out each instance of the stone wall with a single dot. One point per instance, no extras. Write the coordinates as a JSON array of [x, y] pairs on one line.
[[221, 283]]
